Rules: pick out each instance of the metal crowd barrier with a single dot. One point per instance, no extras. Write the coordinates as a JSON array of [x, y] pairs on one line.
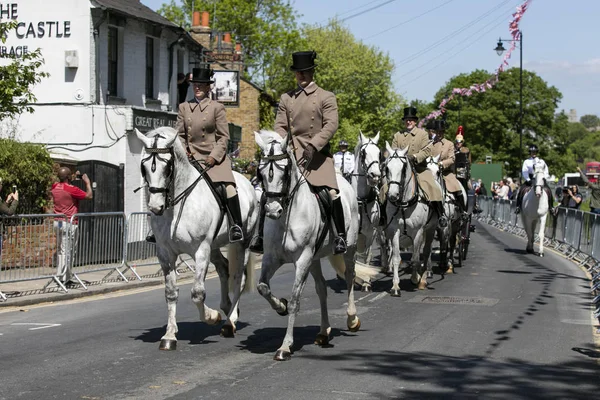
[[28, 245], [572, 232], [56, 248]]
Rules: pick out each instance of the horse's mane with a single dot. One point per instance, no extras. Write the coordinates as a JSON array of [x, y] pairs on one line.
[[270, 136]]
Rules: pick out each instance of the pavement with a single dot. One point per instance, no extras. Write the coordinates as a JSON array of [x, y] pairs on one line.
[[505, 325]]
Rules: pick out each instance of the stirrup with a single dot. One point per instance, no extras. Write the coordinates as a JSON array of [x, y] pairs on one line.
[[339, 245], [235, 234], [151, 238], [257, 245], [517, 210]]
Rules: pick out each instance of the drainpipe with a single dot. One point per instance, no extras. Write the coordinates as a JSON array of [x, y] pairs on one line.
[[96, 33], [180, 42]]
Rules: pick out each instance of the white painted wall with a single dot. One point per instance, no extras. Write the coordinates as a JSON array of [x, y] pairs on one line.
[[64, 85]]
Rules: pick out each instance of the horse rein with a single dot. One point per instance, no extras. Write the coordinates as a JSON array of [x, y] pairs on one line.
[[402, 183], [271, 161], [363, 156]]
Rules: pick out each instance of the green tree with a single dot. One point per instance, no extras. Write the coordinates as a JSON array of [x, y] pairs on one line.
[[17, 78], [360, 76], [30, 168], [491, 119], [590, 121]]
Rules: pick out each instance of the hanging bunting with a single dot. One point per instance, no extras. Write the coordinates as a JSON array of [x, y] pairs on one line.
[[482, 87]]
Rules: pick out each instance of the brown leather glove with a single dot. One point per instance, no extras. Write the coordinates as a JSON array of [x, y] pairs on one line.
[[210, 161], [309, 152]]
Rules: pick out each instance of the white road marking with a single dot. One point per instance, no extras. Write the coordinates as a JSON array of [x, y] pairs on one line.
[[364, 297], [378, 297], [39, 325]]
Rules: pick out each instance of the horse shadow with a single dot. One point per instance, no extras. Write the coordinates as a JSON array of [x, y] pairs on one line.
[[196, 332], [268, 340]]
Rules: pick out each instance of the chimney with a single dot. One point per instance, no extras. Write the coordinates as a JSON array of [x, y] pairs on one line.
[[200, 30], [238, 47], [227, 37]]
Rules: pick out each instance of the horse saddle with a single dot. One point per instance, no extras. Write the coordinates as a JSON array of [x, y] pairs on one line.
[[324, 201]]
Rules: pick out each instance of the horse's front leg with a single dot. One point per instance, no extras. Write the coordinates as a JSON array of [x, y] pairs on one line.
[[222, 267], [302, 268], [167, 263], [427, 248], [542, 234], [321, 289], [237, 261], [269, 266], [396, 261], [353, 322], [420, 278], [202, 257]]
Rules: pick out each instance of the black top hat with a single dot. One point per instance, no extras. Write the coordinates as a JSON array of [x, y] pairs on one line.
[[440, 125], [202, 75], [430, 124], [303, 60], [410, 113]]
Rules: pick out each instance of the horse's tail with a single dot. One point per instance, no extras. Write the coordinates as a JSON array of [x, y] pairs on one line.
[[234, 261], [362, 272]]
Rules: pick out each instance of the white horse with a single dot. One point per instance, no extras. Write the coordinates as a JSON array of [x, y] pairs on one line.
[[446, 235], [535, 210], [365, 182], [292, 231], [408, 217], [187, 220]]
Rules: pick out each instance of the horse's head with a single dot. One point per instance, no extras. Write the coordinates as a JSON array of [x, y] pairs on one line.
[[368, 157], [433, 164], [538, 179], [275, 170], [158, 165], [397, 168]]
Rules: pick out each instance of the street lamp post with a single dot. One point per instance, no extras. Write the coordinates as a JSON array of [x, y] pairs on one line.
[[500, 49]]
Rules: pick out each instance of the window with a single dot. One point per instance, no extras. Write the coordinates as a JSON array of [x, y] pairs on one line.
[[149, 68], [113, 60]]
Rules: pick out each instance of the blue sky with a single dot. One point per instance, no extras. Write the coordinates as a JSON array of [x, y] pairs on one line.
[[432, 40]]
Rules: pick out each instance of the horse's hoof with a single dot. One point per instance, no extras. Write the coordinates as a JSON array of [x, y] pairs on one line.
[[395, 292], [429, 274], [450, 270], [282, 355], [356, 327], [284, 312], [168, 344], [422, 285], [322, 340], [541, 254], [227, 331], [365, 288]]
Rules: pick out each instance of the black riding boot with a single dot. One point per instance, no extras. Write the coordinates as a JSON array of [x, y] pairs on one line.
[[339, 243], [236, 233], [257, 241], [439, 208], [520, 195], [460, 201]]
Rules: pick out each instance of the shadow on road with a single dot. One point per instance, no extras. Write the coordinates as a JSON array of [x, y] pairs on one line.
[[268, 340], [192, 332], [470, 377]]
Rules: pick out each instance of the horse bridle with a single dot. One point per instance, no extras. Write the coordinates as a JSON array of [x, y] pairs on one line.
[[271, 162], [363, 157], [154, 153], [402, 183]]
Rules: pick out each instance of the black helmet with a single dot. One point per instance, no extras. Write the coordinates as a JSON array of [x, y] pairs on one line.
[[343, 143], [533, 148]]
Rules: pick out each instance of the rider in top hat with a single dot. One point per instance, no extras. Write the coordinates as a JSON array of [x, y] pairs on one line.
[[445, 149], [310, 115], [419, 148], [344, 161], [527, 171], [462, 160], [204, 132]]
